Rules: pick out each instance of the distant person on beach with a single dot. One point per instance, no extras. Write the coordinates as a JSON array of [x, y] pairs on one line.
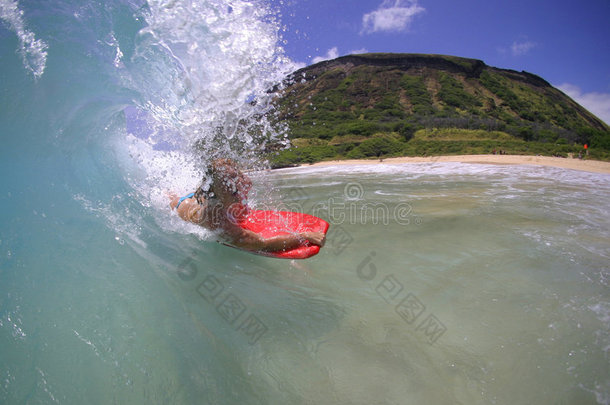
[[223, 204]]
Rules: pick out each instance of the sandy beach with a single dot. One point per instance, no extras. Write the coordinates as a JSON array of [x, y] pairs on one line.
[[594, 166]]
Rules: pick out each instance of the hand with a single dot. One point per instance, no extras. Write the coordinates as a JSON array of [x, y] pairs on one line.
[[315, 238], [173, 199]]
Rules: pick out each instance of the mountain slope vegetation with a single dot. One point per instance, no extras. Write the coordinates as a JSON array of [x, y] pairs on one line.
[[378, 105]]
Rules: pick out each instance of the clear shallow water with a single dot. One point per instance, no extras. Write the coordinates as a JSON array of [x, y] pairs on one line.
[[440, 283], [492, 288]]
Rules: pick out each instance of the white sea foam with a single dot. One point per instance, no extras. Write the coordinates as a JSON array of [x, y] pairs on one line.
[[154, 174], [502, 173], [112, 42], [33, 51], [198, 65]]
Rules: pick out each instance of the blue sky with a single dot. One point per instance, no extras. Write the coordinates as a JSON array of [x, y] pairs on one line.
[[565, 42]]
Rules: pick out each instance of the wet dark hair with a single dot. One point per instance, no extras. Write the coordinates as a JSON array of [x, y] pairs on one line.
[[204, 191], [201, 195], [218, 166]]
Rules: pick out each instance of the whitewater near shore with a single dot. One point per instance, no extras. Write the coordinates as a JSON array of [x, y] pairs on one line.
[[594, 166]]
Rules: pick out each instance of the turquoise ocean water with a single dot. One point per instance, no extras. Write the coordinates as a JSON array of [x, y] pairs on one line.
[[441, 283]]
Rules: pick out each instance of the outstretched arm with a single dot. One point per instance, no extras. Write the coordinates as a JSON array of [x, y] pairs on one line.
[[253, 241]]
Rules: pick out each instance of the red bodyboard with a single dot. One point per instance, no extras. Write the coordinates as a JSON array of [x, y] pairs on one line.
[[273, 223]]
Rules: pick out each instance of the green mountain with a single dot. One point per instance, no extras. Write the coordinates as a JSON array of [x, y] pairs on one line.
[[376, 105]]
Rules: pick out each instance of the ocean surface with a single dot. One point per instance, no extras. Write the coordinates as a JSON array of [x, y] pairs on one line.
[[440, 283]]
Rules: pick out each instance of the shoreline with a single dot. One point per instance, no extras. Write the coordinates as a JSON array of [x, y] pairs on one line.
[[594, 166]]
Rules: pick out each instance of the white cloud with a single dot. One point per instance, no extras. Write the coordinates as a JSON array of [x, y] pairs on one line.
[[359, 51], [331, 54], [392, 15], [597, 103], [521, 48]]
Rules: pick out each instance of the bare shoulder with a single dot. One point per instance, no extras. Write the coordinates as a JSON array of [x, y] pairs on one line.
[[190, 210]]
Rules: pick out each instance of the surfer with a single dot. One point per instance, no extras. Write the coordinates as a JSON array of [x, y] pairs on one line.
[[223, 203]]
